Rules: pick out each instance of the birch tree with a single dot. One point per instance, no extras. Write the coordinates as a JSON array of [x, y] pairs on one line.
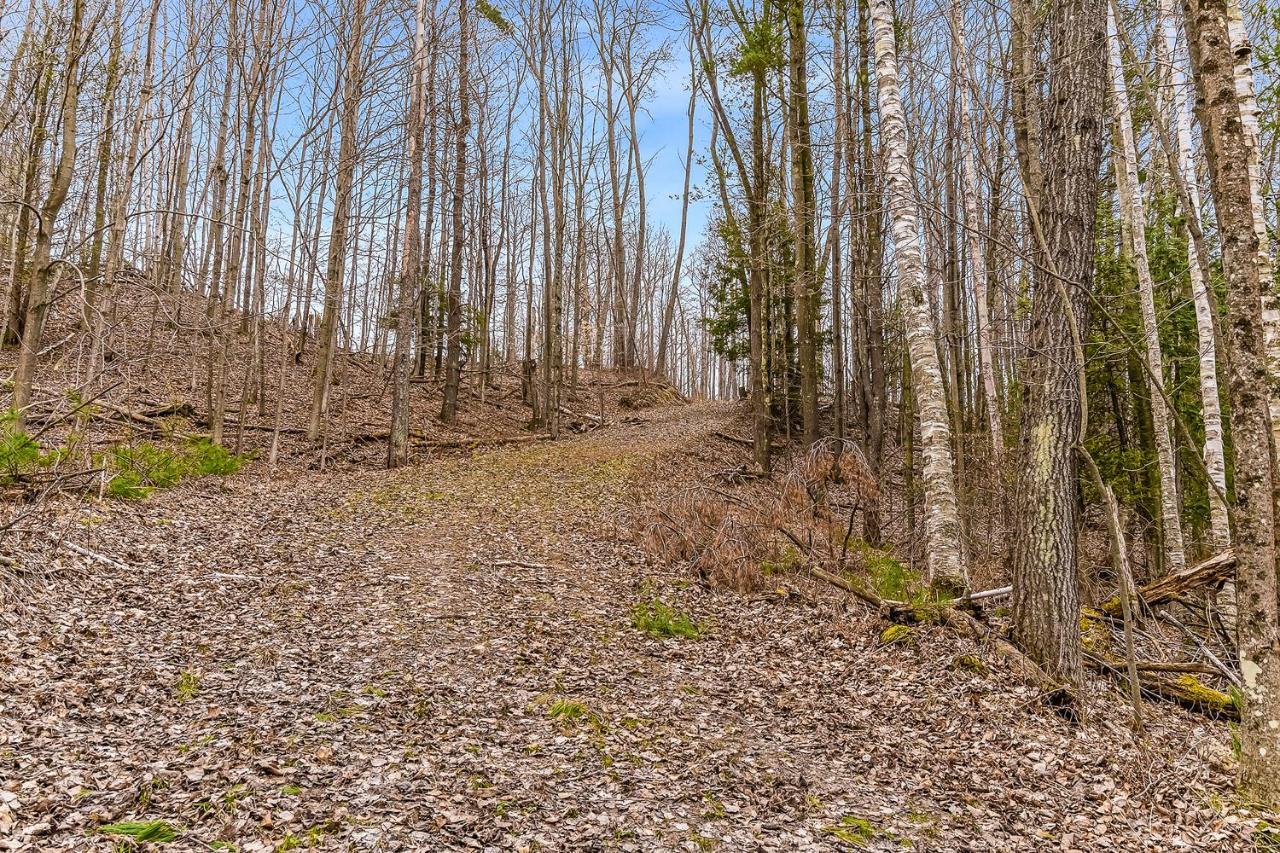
[[1133, 212], [1229, 143], [942, 523]]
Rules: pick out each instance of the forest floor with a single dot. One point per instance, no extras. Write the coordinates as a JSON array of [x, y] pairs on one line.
[[445, 658]]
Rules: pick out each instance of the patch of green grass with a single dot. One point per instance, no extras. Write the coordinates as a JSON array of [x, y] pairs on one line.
[[150, 831], [309, 839], [568, 710], [1266, 838], [337, 714], [659, 619], [715, 808], [187, 686], [786, 561], [892, 580], [234, 795], [854, 830]]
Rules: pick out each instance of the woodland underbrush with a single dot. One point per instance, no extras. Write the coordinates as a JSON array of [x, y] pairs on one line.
[[799, 532]]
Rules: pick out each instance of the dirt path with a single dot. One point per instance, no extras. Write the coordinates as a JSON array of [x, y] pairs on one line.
[[443, 658]]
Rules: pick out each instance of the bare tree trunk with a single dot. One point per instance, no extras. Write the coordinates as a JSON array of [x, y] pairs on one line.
[[669, 309], [807, 285], [1133, 210], [1206, 331], [453, 358], [42, 263], [398, 446], [326, 339], [945, 562], [973, 233], [1062, 195], [1246, 265]]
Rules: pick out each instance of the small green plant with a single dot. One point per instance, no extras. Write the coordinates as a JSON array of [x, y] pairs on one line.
[[139, 469], [1266, 838], [233, 796], [20, 454], [659, 619], [568, 710], [186, 687], [291, 790], [204, 458], [715, 807], [151, 831], [854, 830]]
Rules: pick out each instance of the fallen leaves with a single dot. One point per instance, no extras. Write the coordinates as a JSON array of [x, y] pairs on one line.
[[446, 658]]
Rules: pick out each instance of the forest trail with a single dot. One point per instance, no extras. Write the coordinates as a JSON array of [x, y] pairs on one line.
[[443, 657]]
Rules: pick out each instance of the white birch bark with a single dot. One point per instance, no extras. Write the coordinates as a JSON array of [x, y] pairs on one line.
[[1248, 102], [972, 222], [1133, 211], [942, 523], [1210, 397]]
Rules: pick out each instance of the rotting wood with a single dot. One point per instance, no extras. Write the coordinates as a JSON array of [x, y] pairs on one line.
[[1205, 575]]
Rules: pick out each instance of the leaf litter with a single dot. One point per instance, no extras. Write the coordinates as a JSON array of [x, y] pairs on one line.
[[446, 657]]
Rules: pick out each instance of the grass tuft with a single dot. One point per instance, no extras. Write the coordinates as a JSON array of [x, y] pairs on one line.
[[152, 831], [186, 687], [853, 830], [659, 619], [568, 710]]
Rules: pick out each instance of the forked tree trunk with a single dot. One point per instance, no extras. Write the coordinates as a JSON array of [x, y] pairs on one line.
[[42, 262], [942, 522]]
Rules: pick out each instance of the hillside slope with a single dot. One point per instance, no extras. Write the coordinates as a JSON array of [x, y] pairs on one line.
[[479, 654]]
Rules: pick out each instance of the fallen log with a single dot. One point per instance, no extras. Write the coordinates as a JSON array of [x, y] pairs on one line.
[[1184, 689], [1210, 574]]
